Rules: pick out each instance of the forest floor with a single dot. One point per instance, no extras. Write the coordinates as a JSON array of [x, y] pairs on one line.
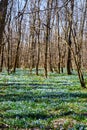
[[30, 102]]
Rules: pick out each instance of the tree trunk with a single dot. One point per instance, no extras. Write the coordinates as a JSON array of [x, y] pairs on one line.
[[69, 38], [19, 35], [2, 57], [3, 12], [49, 4]]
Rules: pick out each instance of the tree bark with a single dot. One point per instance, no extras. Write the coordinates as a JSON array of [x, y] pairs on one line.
[[3, 12]]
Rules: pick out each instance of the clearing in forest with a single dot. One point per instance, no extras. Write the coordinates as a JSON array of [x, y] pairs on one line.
[[53, 103]]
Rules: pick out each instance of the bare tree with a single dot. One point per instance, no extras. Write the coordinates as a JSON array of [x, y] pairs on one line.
[[38, 37], [48, 19], [19, 33], [78, 46], [70, 17]]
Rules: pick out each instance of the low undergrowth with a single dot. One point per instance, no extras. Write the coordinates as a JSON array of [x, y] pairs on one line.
[[30, 101]]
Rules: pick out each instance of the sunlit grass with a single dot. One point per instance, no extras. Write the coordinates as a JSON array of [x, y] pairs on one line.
[[30, 101]]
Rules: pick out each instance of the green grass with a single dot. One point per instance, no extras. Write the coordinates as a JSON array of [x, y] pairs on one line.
[[30, 101]]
